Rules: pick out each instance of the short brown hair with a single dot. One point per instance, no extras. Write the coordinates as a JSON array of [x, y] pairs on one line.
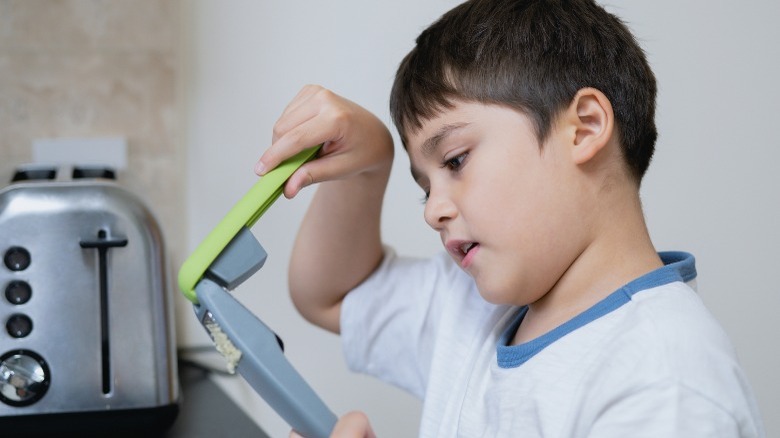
[[531, 55]]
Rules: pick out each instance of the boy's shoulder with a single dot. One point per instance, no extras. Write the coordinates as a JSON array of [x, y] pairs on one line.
[[674, 318], [670, 352], [667, 336], [659, 362]]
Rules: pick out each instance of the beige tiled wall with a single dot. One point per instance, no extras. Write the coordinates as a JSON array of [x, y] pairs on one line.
[[97, 68]]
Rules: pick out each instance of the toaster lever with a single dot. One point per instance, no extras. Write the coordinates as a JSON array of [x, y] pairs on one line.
[[103, 244]]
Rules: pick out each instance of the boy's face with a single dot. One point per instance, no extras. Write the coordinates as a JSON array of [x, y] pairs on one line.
[[506, 210]]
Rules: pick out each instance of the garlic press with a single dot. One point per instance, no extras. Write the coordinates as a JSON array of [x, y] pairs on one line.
[[228, 256]]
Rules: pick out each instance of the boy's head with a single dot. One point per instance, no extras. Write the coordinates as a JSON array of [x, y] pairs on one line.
[[533, 56]]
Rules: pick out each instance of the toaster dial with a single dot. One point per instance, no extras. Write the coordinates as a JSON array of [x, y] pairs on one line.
[[19, 325], [17, 259], [18, 292], [24, 377]]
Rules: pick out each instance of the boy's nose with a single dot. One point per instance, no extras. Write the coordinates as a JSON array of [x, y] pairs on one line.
[[438, 211]]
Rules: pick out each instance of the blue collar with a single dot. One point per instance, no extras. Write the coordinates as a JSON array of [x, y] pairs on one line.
[[678, 266]]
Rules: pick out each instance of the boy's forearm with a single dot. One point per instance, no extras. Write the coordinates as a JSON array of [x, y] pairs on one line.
[[338, 245]]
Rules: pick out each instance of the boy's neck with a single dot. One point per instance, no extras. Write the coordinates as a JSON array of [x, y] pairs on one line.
[[622, 252]]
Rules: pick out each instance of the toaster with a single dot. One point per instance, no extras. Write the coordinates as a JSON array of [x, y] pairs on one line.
[[87, 343]]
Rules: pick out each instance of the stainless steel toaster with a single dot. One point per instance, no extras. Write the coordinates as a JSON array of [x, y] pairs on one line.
[[87, 340]]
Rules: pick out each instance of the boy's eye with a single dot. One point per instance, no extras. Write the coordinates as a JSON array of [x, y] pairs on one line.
[[455, 162]]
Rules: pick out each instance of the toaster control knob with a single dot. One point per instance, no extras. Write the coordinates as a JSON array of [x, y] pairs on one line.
[[17, 258], [19, 325], [18, 292], [24, 378]]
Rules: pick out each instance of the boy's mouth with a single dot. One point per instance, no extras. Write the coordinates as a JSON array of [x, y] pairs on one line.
[[466, 247], [462, 251]]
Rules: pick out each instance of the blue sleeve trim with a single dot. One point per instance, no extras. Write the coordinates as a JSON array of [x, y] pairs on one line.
[[678, 266]]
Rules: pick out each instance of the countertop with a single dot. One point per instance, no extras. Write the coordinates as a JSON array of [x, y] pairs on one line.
[[206, 411]]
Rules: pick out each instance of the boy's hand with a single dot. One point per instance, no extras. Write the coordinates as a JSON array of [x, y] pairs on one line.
[[354, 140], [352, 425]]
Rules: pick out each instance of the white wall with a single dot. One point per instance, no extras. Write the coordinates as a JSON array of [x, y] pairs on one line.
[[712, 189]]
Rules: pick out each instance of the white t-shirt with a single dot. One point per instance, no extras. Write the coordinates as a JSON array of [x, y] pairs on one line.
[[649, 360]]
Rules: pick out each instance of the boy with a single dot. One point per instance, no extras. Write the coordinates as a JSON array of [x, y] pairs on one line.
[[529, 126]]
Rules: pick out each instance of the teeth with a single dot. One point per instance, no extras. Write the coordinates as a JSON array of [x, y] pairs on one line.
[[466, 247]]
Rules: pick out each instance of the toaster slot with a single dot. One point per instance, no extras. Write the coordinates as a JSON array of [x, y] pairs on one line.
[[103, 244], [35, 173], [85, 172]]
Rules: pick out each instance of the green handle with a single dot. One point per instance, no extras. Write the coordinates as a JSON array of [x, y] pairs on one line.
[[244, 214]]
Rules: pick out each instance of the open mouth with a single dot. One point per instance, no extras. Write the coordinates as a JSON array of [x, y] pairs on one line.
[[462, 251], [466, 247]]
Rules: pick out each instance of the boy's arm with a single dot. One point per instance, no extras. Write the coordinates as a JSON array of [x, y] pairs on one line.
[[337, 247], [338, 244]]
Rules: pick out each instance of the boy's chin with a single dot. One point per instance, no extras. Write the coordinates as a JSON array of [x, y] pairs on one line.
[[493, 295], [500, 294]]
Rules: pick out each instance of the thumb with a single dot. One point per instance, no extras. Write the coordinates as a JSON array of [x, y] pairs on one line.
[[301, 178]]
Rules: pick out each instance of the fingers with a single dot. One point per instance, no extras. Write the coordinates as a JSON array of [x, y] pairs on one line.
[[307, 121], [354, 140], [353, 425], [336, 166], [297, 181], [300, 99], [299, 110], [303, 136]]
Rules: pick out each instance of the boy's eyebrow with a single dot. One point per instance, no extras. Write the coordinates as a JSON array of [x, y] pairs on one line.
[[430, 145]]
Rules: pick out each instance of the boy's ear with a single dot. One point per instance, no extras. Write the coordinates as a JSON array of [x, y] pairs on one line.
[[593, 121]]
